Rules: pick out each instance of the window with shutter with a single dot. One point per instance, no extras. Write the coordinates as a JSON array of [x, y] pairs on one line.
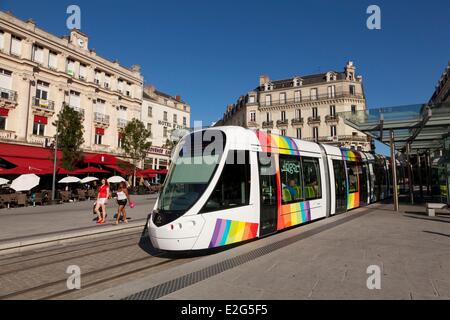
[[52, 60], [16, 46]]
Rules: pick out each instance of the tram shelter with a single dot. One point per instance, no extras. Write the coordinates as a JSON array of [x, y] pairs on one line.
[[419, 138]]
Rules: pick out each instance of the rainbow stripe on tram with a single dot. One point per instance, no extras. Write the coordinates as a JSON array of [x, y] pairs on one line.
[[294, 214], [227, 232], [277, 144], [353, 199]]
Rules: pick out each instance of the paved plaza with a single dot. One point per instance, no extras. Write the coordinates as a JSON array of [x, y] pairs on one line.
[[327, 259], [39, 221]]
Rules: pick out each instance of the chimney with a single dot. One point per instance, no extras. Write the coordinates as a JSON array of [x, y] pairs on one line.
[[178, 98], [31, 22], [263, 79], [149, 89], [136, 68]]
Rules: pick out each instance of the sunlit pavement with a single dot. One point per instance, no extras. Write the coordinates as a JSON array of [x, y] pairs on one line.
[[327, 259], [26, 222]]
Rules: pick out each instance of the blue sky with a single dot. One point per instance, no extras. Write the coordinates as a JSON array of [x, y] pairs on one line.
[[211, 52]]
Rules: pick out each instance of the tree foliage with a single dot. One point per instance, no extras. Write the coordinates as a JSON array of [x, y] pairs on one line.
[[69, 128], [135, 140]]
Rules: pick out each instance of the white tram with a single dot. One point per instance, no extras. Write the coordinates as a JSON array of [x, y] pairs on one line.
[[230, 184]]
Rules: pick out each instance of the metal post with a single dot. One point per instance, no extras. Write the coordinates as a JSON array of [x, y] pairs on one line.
[[419, 172], [410, 178], [429, 173], [394, 171], [55, 157]]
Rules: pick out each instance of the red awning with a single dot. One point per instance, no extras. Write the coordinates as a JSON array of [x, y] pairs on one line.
[[153, 171], [25, 170], [4, 112], [100, 131], [105, 159], [119, 170], [26, 162], [40, 119], [91, 170], [28, 152]]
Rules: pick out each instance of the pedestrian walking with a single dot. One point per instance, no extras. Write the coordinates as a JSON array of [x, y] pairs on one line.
[[123, 197], [102, 199]]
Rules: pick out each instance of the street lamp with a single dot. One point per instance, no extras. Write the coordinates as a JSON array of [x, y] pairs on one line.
[[55, 158]]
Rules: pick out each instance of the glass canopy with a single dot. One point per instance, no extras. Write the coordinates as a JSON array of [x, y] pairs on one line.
[[423, 126]]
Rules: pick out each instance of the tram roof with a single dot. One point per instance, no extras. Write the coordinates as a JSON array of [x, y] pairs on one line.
[[422, 126]]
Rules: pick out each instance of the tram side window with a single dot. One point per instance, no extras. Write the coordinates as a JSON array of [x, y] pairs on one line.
[[311, 178], [291, 179], [352, 177], [233, 188]]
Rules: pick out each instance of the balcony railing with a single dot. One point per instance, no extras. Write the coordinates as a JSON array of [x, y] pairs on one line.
[[44, 104], [121, 123], [249, 124], [297, 121], [7, 135], [267, 124], [335, 139], [101, 118], [314, 120], [331, 118], [282, 123], [319, 97], [78, 109], [354, 138], [8, 95]]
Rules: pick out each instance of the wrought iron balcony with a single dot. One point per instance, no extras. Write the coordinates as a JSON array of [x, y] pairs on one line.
[[267, 124], [312, 120], [297, 121], [78, 109], [101, 118], [47, 105], [8, 95], [312, 98], [121, 123], [282, 123], [331, 118], [252, 124], [354, 138]]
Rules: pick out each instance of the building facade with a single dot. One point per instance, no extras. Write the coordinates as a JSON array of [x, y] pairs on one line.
[[304, 107], [162, 114], [40, 73], [442, 91]]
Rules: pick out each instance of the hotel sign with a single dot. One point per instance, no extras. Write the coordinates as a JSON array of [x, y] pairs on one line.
[[170, 125]]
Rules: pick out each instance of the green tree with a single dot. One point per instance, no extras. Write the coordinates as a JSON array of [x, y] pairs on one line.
[[69, 128], [135, 142]]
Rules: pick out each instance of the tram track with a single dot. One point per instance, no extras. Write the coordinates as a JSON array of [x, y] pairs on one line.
[[131, 243], [62, 281], [79, 247]]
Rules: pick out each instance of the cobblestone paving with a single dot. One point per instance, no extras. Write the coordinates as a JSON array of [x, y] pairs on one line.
[[103, 262]]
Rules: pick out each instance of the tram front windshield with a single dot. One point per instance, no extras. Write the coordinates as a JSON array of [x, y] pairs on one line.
[[191, 171]]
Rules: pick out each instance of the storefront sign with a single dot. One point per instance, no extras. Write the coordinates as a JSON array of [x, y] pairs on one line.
[[159, 151]]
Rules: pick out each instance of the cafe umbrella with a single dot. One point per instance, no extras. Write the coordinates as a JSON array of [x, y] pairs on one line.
[[88, 179], [3, 181], [25, 182]]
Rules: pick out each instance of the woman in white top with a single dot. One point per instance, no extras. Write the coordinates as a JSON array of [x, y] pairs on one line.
[[123, 198]]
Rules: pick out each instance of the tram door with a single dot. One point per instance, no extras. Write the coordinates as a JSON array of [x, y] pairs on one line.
[[363, 181], [340, 186], [268, 193]]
